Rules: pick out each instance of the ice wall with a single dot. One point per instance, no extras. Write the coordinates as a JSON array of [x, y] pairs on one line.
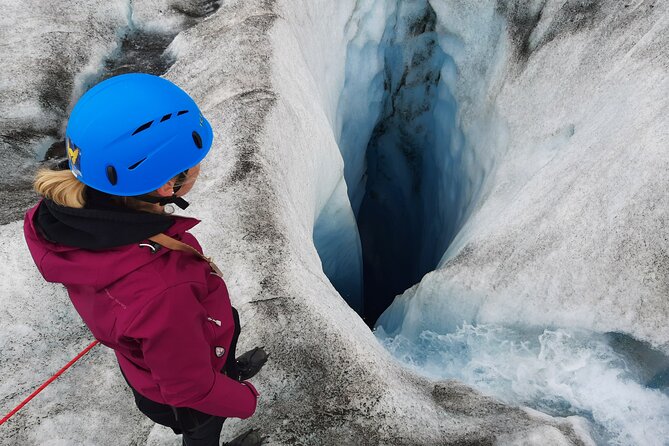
[[412, 177], [408, 211], [570, 231]]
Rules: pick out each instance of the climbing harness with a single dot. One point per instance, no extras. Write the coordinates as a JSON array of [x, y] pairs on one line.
[[176, 245], [49, 381]]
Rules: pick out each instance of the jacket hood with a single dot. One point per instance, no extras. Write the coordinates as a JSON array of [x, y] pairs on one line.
[[97, 245]]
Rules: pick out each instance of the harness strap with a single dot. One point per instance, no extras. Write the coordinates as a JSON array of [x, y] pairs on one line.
[[176, 245]]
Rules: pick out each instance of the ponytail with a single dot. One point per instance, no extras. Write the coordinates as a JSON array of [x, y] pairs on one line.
[[60, 186]]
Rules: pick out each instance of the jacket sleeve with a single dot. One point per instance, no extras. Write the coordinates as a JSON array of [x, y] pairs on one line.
[[170, 329]]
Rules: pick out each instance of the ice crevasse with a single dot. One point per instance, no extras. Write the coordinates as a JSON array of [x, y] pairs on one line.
[[544, 172], [488, 155]]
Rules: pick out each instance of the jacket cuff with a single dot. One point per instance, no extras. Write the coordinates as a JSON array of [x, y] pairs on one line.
[[251, 388], [227, 398]]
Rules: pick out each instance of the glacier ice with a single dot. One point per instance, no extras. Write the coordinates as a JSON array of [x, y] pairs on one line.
[[568, 231], [336, 240], [411, 204], [560, 372], [569, 228], [409, 176], [531, 94]]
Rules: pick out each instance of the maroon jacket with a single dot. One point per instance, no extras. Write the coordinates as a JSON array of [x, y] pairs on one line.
[[167, 317]]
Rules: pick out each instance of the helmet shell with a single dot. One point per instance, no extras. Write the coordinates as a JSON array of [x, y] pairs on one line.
[[132, 133]]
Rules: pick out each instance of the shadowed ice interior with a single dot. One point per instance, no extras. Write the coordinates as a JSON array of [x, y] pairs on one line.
[[409, 178]]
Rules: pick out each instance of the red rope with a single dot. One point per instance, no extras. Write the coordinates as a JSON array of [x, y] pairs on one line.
[[49, 381]]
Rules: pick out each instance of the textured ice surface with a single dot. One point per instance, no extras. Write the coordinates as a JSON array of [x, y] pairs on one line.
[[570, 230], [560, 372], [269, 76]]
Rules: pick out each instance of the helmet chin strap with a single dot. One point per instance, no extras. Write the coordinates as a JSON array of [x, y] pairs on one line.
[[162, 201]]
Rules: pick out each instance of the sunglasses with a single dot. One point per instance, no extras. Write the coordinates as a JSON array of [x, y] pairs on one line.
[[181, 180]]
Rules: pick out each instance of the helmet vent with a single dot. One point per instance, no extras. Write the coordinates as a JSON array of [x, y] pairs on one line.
[[142, 127], [137, 164], [111, 175], [182, 112], [166, 117], [197, 139]]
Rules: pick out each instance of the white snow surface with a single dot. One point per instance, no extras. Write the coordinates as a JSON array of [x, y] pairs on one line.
[[563, 222]]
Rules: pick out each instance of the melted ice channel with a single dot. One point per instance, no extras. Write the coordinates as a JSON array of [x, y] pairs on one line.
[[560, 372]]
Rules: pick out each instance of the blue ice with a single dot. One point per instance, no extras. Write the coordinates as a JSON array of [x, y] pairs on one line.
[[560, 372]]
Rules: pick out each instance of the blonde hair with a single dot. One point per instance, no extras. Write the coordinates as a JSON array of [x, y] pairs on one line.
[[61, 187]]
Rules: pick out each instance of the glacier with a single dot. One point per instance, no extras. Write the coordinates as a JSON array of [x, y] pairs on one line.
[[529, 229], [569, 230], [463, 109], [621, 392]]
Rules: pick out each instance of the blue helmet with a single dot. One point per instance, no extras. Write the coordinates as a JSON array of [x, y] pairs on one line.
[[132, 133]]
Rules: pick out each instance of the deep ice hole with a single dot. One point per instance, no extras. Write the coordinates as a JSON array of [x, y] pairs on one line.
[[410, 181]]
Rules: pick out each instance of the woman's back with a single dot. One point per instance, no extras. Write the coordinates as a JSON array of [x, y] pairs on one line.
[[130, 295]]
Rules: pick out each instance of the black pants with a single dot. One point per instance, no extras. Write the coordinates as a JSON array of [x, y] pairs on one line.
[[198, 428]]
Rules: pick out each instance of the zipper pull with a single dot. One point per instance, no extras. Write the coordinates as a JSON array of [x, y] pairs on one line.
[[215, 321]]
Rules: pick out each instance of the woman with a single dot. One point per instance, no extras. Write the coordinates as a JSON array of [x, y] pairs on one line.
[[135, 275]]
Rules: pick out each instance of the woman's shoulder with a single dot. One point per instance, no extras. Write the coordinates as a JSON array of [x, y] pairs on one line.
[[147, 269], [170, 268]]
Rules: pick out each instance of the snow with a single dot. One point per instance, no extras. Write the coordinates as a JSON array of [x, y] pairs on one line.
[[551, 199]]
